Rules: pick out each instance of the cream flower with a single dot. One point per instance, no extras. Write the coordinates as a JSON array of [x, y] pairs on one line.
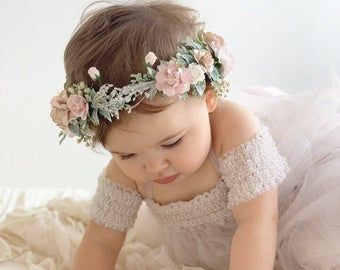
[[204, 58], [94, 73], [150, 58], [197, 73]]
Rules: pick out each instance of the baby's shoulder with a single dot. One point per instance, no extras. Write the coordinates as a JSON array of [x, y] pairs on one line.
[[115, 174], [235, 124]]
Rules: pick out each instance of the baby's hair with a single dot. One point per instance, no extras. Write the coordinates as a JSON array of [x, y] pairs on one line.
[[116, 38]]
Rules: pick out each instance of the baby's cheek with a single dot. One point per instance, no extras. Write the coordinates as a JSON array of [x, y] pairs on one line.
[[130, 170], [191, 160]]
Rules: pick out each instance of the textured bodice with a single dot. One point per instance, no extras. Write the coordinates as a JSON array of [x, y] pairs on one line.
[[209, 207], [247, 171]]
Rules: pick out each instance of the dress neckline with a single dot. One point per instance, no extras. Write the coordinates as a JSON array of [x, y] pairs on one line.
[[197, 197], [217, 161]]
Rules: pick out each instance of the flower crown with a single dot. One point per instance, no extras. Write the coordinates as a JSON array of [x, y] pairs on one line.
[[207, 56]]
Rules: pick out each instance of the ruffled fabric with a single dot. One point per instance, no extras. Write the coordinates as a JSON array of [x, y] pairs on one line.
[[306, 128], [45, 236]]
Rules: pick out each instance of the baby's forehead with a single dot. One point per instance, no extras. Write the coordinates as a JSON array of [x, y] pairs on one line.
[[159, 100]]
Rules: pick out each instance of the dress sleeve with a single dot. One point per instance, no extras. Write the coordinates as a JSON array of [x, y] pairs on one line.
[[252, 168], [114, 205]]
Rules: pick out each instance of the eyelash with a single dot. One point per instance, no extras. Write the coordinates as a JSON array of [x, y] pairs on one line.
[[166, 146]]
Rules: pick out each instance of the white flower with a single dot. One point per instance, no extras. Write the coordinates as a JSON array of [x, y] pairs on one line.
[[226, 59], [150, 58], [197, 73], [94, 73]]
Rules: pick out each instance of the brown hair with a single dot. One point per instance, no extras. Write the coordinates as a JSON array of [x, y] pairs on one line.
[[116, 38]]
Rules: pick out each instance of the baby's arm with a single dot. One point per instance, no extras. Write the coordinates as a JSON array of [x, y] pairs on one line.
[[99, 248], [116, 207], [254, 242], [252, 169]]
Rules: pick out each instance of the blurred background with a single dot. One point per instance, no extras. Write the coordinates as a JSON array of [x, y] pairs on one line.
[[290, 45]]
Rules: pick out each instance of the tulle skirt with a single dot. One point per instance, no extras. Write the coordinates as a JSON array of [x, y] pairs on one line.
[[306, 129]]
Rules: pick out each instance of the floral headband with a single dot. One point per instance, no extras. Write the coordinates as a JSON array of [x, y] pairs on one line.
[[206, 56]]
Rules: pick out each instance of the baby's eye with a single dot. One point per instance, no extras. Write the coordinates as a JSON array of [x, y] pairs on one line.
[[165, 146], [173, 144], [126, 156]]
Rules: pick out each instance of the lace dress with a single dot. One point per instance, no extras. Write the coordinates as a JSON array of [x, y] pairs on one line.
[[292, 150]]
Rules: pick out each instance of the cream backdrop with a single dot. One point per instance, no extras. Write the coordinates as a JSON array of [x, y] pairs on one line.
[[291, 45]]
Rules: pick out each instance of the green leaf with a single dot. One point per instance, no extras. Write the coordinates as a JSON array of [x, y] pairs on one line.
[[88, 98], [92, 93], [63, 138], [214, 74], [200, 87], [105, 114], [151, 72], [94, 116], [74, 127], [188, 58]]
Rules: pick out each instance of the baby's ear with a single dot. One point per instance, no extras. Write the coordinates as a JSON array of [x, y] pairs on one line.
[[210, 99]]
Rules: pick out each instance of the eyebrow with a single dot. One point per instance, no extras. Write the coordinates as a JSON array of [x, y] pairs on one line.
[[167, 138]]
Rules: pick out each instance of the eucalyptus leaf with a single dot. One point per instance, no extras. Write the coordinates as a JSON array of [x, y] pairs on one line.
[[74, 127], [88, 98], [63, 138], [200, 87], [92, 93], [105, 114], [214, 74], [186, 57], [94, 116], [151, 72]]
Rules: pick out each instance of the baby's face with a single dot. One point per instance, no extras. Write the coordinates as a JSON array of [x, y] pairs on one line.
[[174, 141]]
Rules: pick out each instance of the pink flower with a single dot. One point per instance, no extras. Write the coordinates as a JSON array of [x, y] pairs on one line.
[[172, 79], [60, 113], [78, 106], [227, 61], [150, 58], [205, 59], [214, 41], [221, 50]]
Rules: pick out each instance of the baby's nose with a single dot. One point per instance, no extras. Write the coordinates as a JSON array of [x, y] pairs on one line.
[[156, 165]]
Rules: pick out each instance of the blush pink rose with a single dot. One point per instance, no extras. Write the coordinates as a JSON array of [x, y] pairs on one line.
[[60, 113], [78, 106], [221, 50], [214, 41], [172, 79], [204, 58]]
